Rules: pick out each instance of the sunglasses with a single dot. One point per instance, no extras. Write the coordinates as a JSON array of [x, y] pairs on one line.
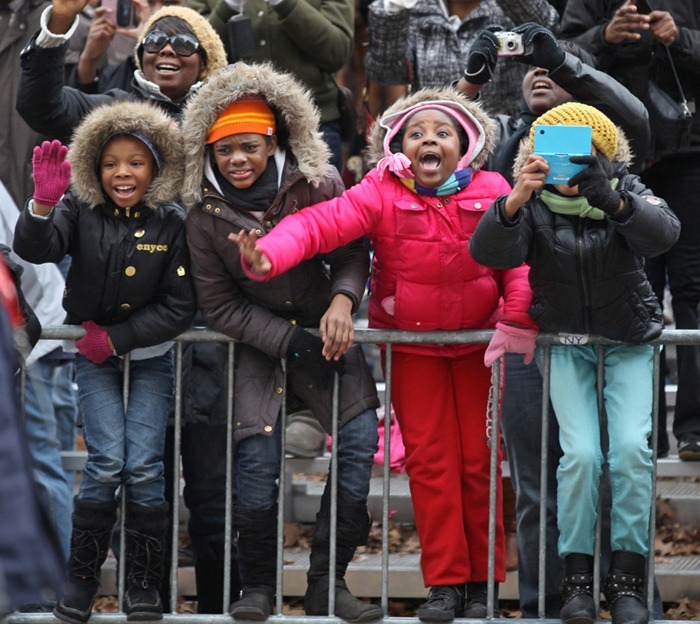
[[183, 44]]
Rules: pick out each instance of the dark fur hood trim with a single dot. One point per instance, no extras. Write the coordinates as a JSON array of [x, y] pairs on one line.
[[126, 117], [296, 115]]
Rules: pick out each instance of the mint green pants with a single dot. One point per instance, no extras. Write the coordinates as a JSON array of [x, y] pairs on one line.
[[628, 396]]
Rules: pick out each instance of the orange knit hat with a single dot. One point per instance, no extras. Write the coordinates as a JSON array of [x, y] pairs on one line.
[[247, 114]]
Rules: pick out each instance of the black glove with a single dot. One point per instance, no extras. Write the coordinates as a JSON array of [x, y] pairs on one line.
[[305, 351], [482, 57], [594, 183], [541, 47]]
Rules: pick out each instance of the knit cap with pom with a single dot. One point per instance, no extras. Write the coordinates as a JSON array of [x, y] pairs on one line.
[[575, 114], [206, 35]]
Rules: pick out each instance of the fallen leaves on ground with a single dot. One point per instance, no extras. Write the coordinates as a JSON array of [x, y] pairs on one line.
[[684, 609], [673, 538]]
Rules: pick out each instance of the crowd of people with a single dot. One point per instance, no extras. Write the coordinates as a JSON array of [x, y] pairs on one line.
[[200, 181]]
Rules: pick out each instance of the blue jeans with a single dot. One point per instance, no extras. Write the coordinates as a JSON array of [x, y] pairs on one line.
[[628, 403], [331, 135], [65, 401], [257, 464], [40, 418], [521, 425], [125, 443]]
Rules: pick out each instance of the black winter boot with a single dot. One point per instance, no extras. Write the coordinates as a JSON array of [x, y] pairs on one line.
[[257, 562], [352, 531], [209, 576], [92, 532], [477, 599], [444, 604], [577, 590], [625, 588], [145, 529]]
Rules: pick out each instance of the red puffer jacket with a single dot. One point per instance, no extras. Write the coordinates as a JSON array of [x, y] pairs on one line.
[[423, 277]]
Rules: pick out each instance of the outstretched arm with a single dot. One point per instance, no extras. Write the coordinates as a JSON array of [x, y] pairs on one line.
[[252, 257]]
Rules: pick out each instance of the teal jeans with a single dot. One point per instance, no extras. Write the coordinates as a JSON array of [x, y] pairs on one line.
[[627, 394]]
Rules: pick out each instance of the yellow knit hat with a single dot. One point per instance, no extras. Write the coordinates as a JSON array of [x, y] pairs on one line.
[[205, 33], [247, 114], [575, 114]]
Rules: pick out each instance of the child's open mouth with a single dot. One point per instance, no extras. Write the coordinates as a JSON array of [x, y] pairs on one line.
[[430, 161], [124, 191]]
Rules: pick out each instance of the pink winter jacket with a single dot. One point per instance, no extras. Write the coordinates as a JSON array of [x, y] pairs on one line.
[[423, 277]]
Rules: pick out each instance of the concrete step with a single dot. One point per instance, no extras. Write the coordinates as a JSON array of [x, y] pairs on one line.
[[684, 496], [677, 577], [670, 466]]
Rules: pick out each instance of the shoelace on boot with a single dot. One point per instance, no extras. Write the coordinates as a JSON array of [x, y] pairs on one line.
[[87, 541], [443, 593], [147, 550]]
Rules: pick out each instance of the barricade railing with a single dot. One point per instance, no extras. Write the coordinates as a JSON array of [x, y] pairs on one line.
[[387, 338]]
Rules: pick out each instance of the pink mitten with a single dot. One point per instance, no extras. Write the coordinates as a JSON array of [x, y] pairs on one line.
[[509, 339], [94, 345], [51, 172]]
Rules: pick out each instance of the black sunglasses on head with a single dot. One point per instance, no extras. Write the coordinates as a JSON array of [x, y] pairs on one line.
[[182, 44]]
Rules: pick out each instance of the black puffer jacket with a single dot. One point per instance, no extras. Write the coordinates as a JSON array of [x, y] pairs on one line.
[[55, 110], [587, 275], [130, 268]]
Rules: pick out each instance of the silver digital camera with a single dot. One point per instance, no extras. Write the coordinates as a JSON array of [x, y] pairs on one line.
[[510, 43]]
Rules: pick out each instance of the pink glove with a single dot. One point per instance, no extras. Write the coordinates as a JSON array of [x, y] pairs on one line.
[[509, 339], [51, 172], [94, 345]]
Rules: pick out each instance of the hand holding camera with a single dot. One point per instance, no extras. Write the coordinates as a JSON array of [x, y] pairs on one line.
[[483, 56], [540, 47], [509, 43], [121, 13]]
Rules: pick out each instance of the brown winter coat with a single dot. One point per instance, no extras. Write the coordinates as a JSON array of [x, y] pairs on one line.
[[261, 315]]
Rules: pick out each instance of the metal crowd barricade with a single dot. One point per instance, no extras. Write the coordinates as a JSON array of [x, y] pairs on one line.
[[363, 336]]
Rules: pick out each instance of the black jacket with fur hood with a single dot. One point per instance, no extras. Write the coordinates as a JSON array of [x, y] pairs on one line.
[[261, 315], [51, 108], [130, 268], [587, 275]]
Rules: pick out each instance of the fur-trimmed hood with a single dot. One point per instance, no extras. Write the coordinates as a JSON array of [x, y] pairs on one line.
[[623, 155], [375, 150], [126, 117], [205, 33], [296, 116]]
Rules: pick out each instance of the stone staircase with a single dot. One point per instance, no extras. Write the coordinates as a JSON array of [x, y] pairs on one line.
[[678, 483]]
